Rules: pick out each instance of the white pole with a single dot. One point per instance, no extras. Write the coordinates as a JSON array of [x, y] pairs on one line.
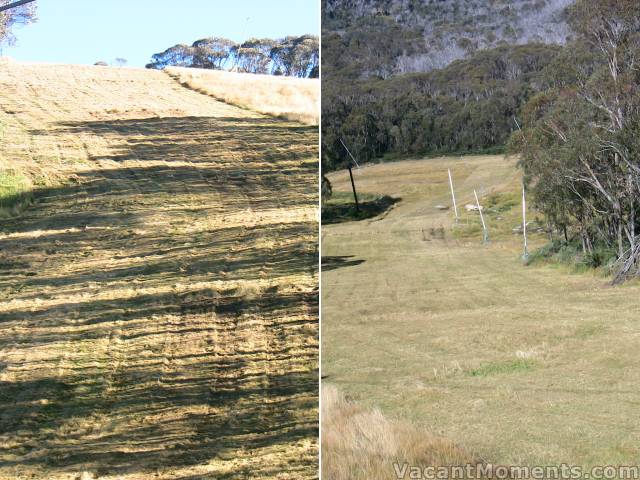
[[453, 195], [484, 226], [352, 158], [524, 222]]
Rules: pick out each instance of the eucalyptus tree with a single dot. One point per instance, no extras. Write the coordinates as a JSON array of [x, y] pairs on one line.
[[293, 56], [580, 144], [17, 15], [213, 52], [180, 55]]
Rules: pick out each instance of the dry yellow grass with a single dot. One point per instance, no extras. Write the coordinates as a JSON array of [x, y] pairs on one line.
[[158, 302], [364, 444], [524, 365], [291, 98]]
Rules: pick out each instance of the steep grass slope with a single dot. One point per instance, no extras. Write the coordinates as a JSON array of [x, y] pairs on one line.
[[158, 302], [287, 97], [521, 365]]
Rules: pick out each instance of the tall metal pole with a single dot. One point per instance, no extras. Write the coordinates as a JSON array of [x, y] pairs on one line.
[[484, 226], [353, 187], [453, 195], [15, 4], [525, 255]]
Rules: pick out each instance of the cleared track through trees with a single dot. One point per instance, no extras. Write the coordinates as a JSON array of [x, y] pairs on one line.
[[522, 365]]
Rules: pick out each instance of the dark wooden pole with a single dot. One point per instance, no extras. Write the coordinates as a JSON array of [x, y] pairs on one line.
[[15, 4], [353, 187]]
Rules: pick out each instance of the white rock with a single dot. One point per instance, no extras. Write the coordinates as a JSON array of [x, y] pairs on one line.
[[472, 208]]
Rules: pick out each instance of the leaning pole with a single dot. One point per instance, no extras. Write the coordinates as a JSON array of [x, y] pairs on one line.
[[453, 195], [525, 255]]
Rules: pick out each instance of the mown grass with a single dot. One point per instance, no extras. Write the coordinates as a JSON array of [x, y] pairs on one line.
[[400, 157], [466, 339], [496, 368], [159, 303]]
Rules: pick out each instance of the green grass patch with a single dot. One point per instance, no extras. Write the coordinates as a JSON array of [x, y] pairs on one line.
[[498, 368], [341, 207], [15, 193], [465, 231], [501, 202]]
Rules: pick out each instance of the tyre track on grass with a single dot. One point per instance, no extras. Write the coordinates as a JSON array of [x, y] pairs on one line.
[[171, 332]]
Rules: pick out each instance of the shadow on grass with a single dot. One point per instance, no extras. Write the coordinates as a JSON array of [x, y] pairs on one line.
[[259, 411], [338, 261], [346, 212], [177, 363]]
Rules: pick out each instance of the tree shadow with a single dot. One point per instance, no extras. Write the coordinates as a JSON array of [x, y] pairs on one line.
[[226, 139], [259, 411], [347, 212], [163, 312], [338, 261]]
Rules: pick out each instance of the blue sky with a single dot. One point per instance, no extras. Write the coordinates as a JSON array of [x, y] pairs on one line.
[[85, 31]]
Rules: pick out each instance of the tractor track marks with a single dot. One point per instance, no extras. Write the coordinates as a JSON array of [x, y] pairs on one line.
[[159, 303]]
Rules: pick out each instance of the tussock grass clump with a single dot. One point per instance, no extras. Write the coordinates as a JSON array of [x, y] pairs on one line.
[[295, 99], [363, 444]]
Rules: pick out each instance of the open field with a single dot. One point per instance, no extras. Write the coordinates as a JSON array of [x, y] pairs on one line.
[[287, 97], [519, 365], [158, 302]]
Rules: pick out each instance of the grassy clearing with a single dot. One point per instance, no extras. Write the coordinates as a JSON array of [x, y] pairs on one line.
[[522, 364], [291, 98], [360, 443], [159, 303]]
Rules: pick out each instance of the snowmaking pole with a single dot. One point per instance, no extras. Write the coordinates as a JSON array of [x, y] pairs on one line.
[[353, 184], [525, 255], [453, 195], [485, 238], [353, 187], [352, 157]]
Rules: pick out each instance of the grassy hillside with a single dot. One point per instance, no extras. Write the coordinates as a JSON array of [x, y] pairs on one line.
[[522, 365], [287, 97], [159, 298]]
